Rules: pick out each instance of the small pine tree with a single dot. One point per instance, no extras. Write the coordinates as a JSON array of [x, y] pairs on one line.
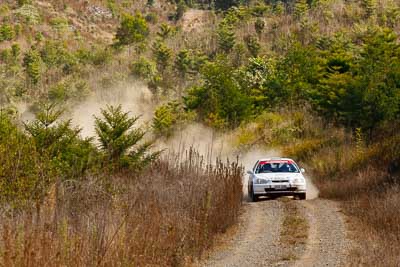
[[279, 8], [6, 32], [166, 117], [144, 69], [162, 55], [180, 10], [32, 64], [165, 31], [300, 9], [259, 26], [16, 51], [369, 7], [226, 37], [119, 140], [182, 62], [133, 29], [252, 45]]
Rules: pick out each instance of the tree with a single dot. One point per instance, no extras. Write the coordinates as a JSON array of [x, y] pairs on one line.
[[166, 117], [32, 64], [378, 74], [144, 69], [133, 29], [165, 31], [279, 8], [219, 100], [180, 10], [119, 140], [59, 141], [162, 55], [370, 7], [252, 45], [183, 62], [259, 26], [258, 80], [300, 9], [226, 37], [25, 175], [6, 32]]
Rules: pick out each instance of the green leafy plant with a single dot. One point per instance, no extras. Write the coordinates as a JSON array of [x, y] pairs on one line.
[[226, 37], [32, 64], [120, 141], [252, 45], [133, 29], [162, 55], [259, 26], [166, 117]]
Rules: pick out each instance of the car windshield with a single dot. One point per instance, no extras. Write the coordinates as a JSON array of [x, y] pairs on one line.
[[276, 166]]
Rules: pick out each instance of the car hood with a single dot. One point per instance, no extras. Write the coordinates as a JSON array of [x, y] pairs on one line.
[[279, 176]]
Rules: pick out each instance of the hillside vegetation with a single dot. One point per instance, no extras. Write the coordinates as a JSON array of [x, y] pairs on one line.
[[318, 80]]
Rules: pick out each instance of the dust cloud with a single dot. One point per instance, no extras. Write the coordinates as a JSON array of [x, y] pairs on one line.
[[135, 98]]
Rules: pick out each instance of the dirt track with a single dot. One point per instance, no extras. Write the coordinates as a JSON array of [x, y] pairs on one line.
[[259, 242]]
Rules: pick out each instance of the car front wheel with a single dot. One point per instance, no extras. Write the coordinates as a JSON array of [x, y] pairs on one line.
[[302, 196], [253, 197]]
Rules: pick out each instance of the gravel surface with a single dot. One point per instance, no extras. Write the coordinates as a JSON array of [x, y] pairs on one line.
[[257, 241], [327, 243]]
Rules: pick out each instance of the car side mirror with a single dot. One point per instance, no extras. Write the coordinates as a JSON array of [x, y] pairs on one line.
[[250, 172], [302, 170]]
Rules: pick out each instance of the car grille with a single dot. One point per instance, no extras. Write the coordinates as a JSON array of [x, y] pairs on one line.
[[280, 181]]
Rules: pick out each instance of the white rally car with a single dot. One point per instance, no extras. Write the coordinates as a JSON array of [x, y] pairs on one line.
[[276, 177]]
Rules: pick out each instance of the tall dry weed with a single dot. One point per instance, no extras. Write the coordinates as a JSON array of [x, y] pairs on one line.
[[167, 216]]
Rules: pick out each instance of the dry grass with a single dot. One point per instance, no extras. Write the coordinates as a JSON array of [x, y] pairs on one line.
[[294, 226], [358, 177], [164, 217]]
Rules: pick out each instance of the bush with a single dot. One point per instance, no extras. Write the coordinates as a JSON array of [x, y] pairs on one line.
[[33, 65], [25, 174], [144, 69], [166, 118], [6, 32], [133, 29], [120, 141], [219, 97], [60, 142]]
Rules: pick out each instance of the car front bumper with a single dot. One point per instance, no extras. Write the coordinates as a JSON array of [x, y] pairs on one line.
[[283, 189]]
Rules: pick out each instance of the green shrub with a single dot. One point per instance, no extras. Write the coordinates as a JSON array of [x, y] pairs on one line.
[[25, 175], [259, 25], [70, 155], [32, 64], [162, 55], [226, 37], [59, 24], [166, 117], [133, 29], [144, 69], [220, 97], [29, 14], [120, 142], [252, 45], [151, 18], [6, 32]]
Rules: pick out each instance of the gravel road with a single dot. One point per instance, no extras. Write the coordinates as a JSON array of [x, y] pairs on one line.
[[257, 241]]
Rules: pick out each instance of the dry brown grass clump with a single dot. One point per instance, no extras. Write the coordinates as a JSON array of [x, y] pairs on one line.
[[166, 217], [359, 177]]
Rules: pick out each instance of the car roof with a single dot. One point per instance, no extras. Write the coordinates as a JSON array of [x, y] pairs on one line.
[[275, 158]]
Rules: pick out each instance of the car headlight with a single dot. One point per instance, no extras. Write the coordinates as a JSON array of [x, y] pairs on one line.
[[261, 181], [299, 181]]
